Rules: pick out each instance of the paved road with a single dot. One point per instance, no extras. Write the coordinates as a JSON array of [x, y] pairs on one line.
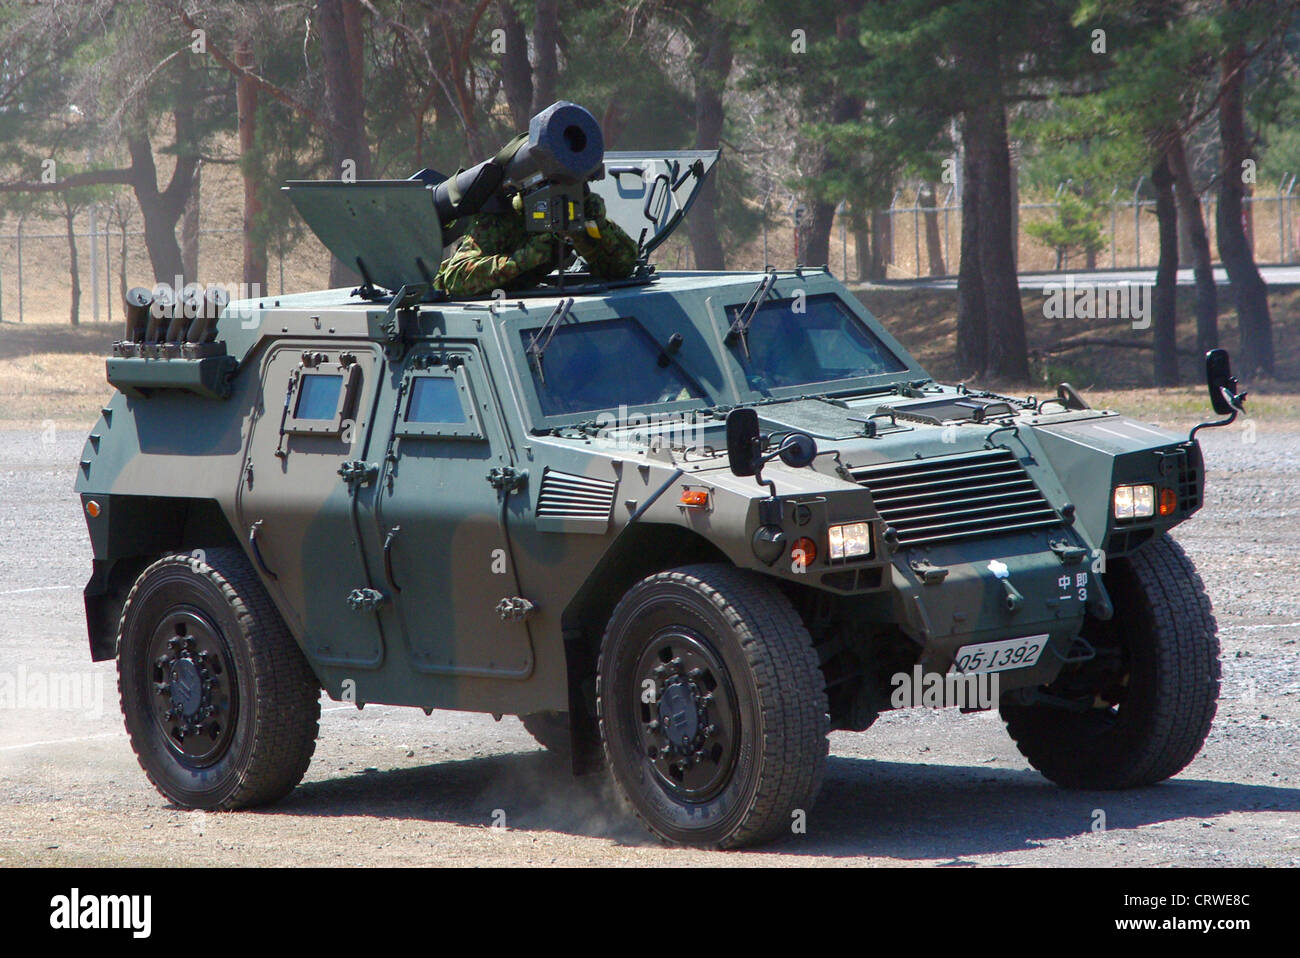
[[1273, 276], [390, 786]]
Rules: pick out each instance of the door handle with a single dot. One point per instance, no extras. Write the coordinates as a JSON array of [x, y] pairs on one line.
[[388, 558], [257, 552]]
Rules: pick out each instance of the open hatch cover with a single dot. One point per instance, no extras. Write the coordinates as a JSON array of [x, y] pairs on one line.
[[387, 230], [648, 193]]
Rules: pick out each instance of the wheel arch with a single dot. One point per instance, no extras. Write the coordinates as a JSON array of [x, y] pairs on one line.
[[129, 533]]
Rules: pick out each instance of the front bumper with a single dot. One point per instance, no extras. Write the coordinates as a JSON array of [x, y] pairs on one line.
[[972, 592]]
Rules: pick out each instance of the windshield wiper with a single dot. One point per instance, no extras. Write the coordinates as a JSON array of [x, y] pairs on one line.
[[542, 338], [739, 329]]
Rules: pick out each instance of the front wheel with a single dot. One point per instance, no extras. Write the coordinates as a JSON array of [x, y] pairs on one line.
[[219, 702], [712, 706], [1143, 706]]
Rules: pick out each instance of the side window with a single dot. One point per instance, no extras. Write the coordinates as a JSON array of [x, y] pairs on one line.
[[322, 394], [438, 401]]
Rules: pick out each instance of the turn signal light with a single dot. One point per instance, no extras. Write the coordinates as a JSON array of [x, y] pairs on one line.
[[92, 509], [695, 498], [1168, 502], [803, 552]]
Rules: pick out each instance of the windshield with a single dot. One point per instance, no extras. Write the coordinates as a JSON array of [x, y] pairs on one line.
[[823, 342], [604, 365]]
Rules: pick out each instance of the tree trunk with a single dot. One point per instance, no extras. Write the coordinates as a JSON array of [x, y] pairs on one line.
[[74, 272], [1013, 166], [1185, 251], [339, 22], [250, 167], [933, 244], [1189, 208], [1248, 286], [190, 228], [815, 241], [546, 33], [972, 315], [1164, 331], [712, 66], [1008, 349], [858, 225], [161, 210], [987, 169], [516, 72], [882, 243]]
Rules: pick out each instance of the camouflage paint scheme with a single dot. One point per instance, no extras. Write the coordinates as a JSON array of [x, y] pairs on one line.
[[498, 252], [174, 470]]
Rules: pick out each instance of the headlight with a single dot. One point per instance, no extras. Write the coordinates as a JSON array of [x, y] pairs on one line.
[[1135, 502], [849, 540]]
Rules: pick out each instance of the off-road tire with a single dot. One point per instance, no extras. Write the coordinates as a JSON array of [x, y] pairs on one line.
[[551, 730], [272, 727], [1163, 620], [763, 649]]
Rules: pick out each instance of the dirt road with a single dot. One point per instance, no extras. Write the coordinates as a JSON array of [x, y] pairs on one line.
[[391, 786]]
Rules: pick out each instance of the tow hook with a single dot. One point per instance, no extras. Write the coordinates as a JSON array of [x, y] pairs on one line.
[[1014, 599]]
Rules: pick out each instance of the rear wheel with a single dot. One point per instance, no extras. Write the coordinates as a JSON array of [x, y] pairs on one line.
[[220, 704], [1143, 706], [712, 706]]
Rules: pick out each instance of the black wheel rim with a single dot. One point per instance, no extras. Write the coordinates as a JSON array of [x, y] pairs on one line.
[[192, 688], [685, 720]]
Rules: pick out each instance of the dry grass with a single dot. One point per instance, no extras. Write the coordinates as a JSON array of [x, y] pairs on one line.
[[925, 320], [53, 374]]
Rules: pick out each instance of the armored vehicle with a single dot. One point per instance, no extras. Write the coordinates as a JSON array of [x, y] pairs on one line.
[[684, 524]]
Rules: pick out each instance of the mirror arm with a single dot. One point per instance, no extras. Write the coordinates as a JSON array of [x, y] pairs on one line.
[[1191, 436], [1234, 400]]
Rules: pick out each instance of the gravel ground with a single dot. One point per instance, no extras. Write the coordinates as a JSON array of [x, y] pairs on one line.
[[390, 786]]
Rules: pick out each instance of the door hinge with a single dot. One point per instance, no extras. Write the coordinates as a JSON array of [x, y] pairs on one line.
[[514, 608], [357, 473], [508, 478], [928, 572], [366, 600], [1068, 554]]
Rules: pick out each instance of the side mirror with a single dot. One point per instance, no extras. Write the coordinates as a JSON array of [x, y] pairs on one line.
[[798, 449], [742, 441], [1222, 385]]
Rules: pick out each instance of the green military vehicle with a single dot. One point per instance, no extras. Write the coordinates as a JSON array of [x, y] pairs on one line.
[[684, 524]]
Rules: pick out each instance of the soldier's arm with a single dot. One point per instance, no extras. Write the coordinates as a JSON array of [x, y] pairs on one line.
[[613, 255], [472, 269]]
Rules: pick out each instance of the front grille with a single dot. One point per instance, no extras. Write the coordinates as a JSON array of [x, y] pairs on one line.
[[566, 496], [1189, 481], [954, 497]]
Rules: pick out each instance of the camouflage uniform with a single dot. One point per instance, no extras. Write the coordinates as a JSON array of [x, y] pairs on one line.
[[499, 253]]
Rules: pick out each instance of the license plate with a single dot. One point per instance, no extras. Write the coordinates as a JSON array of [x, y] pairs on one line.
[[1000, 656]]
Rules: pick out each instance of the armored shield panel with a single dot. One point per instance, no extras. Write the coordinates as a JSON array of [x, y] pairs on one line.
[[386, 230], [649, 193]]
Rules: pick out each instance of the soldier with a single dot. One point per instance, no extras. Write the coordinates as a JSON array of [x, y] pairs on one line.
[[499, 252]]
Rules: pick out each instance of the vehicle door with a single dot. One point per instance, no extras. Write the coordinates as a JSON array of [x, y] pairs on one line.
[[442, 519], [304, 495]]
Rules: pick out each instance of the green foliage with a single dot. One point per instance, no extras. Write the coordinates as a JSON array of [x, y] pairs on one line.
[[1076, 227]]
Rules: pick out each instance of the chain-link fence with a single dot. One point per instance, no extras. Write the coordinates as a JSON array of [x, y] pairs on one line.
[[36, 279], [1127, 224]]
